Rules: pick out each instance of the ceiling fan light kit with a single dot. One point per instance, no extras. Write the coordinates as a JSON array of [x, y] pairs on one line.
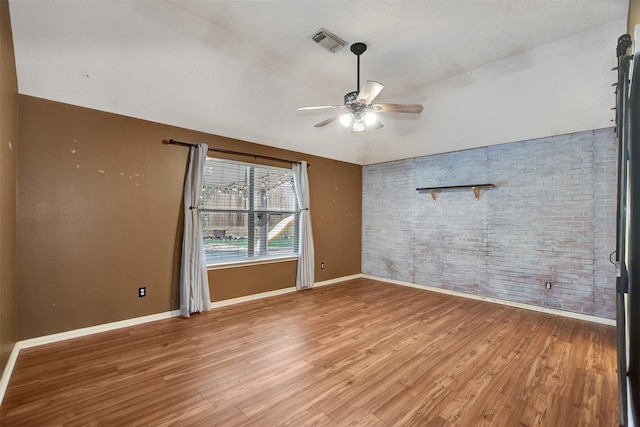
[[358, 111], [358, 121]]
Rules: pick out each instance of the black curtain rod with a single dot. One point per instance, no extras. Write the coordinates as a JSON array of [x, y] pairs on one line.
[[239, 153]]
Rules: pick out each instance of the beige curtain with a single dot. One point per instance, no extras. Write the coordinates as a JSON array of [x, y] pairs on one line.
[[194, 284], [306, 262]]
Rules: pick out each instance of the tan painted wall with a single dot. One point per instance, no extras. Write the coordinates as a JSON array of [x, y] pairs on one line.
[[99, 205], [8, 149]]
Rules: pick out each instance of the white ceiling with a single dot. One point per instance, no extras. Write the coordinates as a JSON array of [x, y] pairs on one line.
[[487, 72]]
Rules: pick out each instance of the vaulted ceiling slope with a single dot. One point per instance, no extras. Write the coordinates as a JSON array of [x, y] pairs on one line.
[[487, 72]]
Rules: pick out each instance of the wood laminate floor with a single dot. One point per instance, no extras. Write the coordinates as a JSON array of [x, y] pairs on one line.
[[360, 352]]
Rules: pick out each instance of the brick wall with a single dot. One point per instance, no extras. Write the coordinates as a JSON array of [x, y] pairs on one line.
[[551, 217]]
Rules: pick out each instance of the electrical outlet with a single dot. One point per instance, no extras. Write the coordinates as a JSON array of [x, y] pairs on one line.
[[142, 292], [322, 266], [547, 285]]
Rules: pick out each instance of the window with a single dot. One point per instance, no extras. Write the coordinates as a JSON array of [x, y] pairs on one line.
[[249, 212]]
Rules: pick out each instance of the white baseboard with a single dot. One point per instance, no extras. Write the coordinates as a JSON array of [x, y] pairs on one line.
[[338, 280], [253, 297], [548, 310], [224, 303], [48, 339], [8, 370]]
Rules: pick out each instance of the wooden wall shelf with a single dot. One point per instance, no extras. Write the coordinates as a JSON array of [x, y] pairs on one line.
[[475, 187]]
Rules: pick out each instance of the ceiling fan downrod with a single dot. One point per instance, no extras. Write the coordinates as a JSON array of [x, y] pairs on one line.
[[358, 49]]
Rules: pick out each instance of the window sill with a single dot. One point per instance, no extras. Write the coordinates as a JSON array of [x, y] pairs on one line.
[[235, 264]]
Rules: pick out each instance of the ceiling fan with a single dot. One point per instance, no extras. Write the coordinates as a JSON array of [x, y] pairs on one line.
[[359, 112]]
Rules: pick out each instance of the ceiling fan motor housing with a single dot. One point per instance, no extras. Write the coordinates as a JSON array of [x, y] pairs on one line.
[[351, 97]]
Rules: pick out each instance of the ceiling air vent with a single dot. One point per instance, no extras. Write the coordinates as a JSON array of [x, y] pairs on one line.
[[327, 40]]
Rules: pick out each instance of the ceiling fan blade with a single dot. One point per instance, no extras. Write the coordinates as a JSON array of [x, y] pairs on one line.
[[326, 122], [397, 108], [369, 91], [321, 107]]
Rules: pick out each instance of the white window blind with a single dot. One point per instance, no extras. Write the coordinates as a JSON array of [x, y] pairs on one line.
[[249, 212]]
